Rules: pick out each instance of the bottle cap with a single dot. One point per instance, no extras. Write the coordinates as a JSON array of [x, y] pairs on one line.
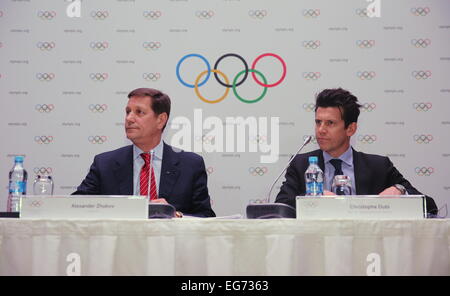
[[18, 159], [313, 159]]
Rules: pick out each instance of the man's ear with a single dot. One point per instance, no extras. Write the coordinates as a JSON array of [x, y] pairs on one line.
[[162, 120], [351, 129]]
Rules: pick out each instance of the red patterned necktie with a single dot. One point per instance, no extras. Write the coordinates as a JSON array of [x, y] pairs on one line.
[[144, 176]]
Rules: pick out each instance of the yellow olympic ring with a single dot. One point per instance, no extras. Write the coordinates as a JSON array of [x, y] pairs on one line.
[[227, 90]]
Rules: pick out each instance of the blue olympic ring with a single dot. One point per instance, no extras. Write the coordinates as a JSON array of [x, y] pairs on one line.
[[198, 56]]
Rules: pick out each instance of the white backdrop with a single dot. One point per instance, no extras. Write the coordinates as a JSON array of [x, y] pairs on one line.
[[64, 81]]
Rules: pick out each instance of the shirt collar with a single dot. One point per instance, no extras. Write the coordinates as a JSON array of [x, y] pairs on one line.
[[157, 151], [346, 157]]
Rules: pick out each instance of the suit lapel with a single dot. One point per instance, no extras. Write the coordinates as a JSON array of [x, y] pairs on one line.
[[123, 171], [169, 171], [359, 173]]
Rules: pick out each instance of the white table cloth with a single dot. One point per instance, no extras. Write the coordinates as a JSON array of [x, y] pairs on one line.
[[224, 247]]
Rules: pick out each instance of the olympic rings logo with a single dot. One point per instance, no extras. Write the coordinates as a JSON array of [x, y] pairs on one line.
[[369, 107], [365, 43], [151, 45], [366, 75], [257, 201], [98, 45], [420, 11], [235, 82], [311, 13], [46, 15], [422, 106], [311, 75], [258, 139], [152, 14], [151, 76], [44, 108], [423, 139], [45, 45], [43, 171], [97, 139], [209, 170], [362, 12], [45, 76], [421, 42], [311, 44], [205, 139], [421, 74], [424, 171], [313, 138], [204, 14], [43, 139], [98, 76], [257, 171], [259, 14], [99, 15], [97, 108], [367, 139], [309, 107], [36, 203]]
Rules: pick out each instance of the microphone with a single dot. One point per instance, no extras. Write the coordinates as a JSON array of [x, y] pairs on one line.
[[307, 140]]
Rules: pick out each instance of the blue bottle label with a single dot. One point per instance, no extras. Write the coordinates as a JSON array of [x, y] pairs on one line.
[[314, 188], [17, 187]]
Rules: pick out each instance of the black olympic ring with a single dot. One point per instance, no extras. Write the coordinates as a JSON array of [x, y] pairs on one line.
[[231, 55]]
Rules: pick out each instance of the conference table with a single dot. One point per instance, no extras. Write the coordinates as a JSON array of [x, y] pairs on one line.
[[223, 247]]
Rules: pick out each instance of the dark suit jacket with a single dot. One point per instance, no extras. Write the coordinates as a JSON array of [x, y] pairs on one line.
[[373, 174], [183, 181]]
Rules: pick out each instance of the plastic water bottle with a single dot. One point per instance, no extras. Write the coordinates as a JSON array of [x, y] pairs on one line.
[[314, 178], [17, 184]]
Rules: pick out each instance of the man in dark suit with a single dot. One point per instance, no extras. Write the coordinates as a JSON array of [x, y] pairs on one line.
[[150, 167], [336, 115]]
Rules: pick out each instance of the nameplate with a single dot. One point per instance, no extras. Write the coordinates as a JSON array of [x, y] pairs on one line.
[[361, 207], [84, 207]]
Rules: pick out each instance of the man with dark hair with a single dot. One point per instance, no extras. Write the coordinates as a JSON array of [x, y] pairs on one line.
[[336, 116], [150, 167]]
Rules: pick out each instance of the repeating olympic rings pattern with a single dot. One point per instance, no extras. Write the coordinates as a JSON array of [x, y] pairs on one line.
[[311, 13], [309, 107], [420, 11], [362, 12], [99, 45], [43, 139], [369, 107], [423, 139], [44, 108], [97, 108], [420, 43], [424, 171], [367, 139], [151, 76], [44, 45], [97, 139], [99, 14], [421, 75], [46, 15], [42, 171], [204, 14], [151, 45], [366, 75], [45, 76], [311, 76], [422, 106], [365, 43], [236, 82], [152, 14], [311, 44], [258, 171], [98, 77], [257, 14]]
